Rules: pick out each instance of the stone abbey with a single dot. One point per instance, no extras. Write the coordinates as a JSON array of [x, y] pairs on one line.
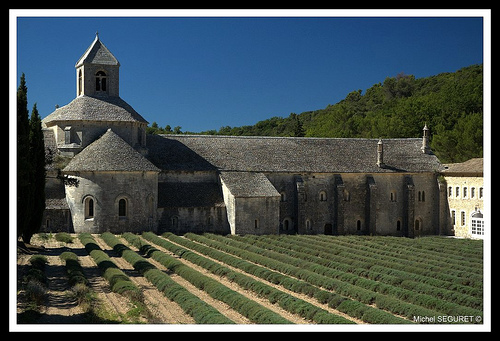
[[127, 180]]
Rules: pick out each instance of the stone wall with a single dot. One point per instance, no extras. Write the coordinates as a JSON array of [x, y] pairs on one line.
[[106, 189], [464, 198]]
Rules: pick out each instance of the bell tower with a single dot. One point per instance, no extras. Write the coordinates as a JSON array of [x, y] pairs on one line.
[[97, 71]]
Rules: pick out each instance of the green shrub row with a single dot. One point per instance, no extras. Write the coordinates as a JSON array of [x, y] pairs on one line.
[[355, 309], [286, 301], [391, 269], [374, 280], [37, 270], [294, 258], [466, 251], [118, 280], [245, 306], [35, 283], [73, 269], [405, 258], [201, 312], [283, 263]]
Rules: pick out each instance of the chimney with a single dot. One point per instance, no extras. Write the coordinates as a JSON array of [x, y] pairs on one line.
[[380, 154], [425, 141]]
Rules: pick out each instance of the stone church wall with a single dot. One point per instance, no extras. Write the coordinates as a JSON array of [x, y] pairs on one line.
[[106, 189], [358, 203]]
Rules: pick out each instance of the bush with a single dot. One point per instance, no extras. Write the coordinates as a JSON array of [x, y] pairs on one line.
[[64, 237]]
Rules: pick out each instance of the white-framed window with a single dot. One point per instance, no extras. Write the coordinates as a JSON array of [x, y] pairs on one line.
[[477, 224]]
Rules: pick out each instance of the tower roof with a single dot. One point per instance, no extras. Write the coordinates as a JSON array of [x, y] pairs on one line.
[[110, 153], [89, 108], [97, 53]]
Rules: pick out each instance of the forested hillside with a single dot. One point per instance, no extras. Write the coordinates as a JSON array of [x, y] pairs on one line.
[[451, 104]]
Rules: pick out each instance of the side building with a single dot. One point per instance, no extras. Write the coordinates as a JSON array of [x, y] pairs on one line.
[[465, 197]]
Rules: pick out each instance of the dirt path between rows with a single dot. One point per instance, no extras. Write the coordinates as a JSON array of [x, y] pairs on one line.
[[163, 310], [222, 307], [234, 286], [60, 308], [276, 286]]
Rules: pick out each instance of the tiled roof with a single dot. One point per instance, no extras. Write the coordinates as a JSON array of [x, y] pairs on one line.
[[109, 153], [248, 184], [469, 167], [90, 108], [97, 53], [287, 154]]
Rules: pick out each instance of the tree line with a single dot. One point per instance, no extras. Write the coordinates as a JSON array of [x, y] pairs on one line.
[[451, 104]]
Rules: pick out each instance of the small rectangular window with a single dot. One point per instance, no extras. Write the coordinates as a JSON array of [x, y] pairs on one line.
[[67, 135]]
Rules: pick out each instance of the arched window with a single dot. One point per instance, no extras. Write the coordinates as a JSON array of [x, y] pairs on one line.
[[477, 224], [418, 224], [322, 196], [151, 206], [122, 208], [347, 195], [287, 224], [174, 221], [89, 208], [358, 225], [80, 82], [398, 225], [283, 196], [100, 81]]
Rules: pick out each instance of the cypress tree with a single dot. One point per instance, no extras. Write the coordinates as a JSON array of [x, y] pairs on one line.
[[37, 153], [24, 195], [30, 167]]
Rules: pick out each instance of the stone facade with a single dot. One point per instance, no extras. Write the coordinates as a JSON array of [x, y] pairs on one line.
[[130, 181], [465, 198]]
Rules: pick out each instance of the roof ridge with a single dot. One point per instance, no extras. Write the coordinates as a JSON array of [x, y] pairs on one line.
[[290, 137]]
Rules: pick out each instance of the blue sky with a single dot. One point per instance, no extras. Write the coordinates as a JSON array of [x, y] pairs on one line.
[[203, 73]]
